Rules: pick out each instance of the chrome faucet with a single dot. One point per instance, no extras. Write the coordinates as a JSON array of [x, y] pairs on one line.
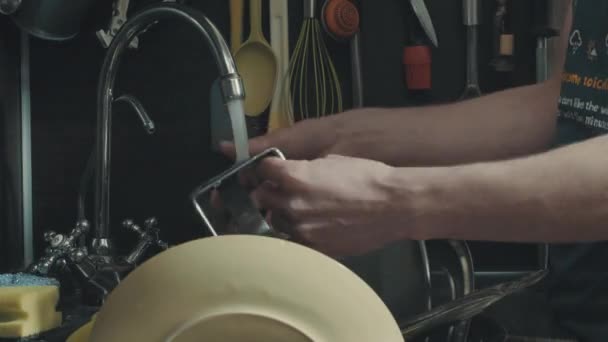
[[230, 83], [87, 176]]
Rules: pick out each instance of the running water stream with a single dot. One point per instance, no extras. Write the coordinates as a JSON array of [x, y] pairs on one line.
[[239, 129]]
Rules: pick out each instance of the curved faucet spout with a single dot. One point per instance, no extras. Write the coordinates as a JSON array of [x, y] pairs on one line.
[[230, 83], [87, 176]]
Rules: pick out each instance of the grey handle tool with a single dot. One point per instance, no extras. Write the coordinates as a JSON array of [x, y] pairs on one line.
[[472, 19], [356, 65]]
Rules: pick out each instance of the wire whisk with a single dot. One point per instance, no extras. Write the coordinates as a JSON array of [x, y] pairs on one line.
[[311, 88]]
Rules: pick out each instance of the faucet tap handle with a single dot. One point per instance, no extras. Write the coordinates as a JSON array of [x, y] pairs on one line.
[[81, 228], [44, 265], [84, 226], [151, 224], [49, 235], [60, 263], [78, 254], [132, 226], [148, 237], [162, 244], [54, 240]]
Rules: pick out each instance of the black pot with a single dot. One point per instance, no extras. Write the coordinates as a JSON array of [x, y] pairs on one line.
[[48, 19]]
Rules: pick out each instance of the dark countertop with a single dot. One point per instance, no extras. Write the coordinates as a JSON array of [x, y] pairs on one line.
[[523, 317], [73, 319]]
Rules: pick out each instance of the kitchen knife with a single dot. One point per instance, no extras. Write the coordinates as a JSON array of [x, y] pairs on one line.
[[423, 15]]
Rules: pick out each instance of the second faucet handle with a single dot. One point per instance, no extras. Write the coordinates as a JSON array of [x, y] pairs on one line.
[[54, 240], [82, 227], [132, 226], [151, 224]]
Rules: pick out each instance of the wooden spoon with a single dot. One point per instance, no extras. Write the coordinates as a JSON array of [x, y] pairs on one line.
[[257, 65], [236, 24]]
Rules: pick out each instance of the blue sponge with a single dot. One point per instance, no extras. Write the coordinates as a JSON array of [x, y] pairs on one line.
[[22, 279]]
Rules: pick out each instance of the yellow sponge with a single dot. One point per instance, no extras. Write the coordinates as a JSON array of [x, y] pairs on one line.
[[28, 310]]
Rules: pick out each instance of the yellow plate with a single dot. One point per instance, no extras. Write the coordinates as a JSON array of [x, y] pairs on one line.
[[243, 288], [83, 333]]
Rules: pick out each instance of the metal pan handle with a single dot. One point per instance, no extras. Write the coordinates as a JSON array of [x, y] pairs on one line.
[[466, 307]]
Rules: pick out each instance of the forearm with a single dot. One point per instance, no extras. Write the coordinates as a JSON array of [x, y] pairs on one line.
[[559, 196], [501, 125]]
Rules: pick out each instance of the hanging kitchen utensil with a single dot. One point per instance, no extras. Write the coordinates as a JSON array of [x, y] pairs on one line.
[[504, 39], [417, 54], [120, 8], [423, 15], [543, 32], [279, 39], [341, 22], [236, 24], [312, 86], [471, 16], [258, 66], [48, 19]]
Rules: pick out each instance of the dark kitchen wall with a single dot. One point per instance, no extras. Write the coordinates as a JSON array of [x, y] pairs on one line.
[[171, 74]]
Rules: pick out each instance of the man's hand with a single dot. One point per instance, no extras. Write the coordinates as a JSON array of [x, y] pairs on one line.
[[340, 206]]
